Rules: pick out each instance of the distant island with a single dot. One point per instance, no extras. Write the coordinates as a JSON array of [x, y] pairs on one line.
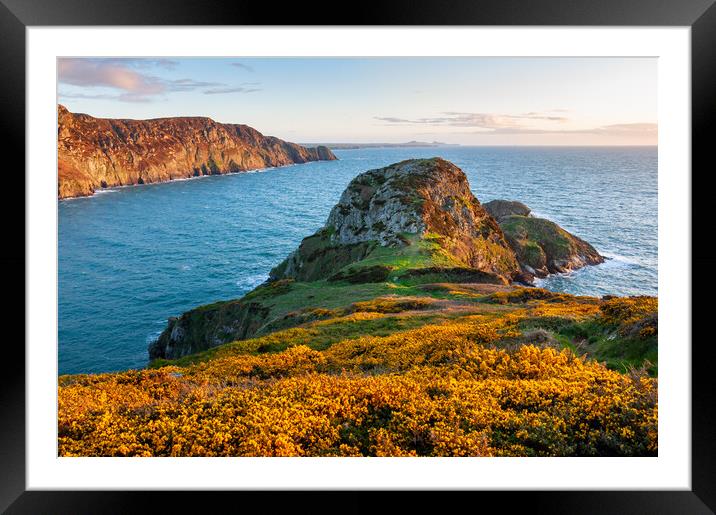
[[409, 144], [400, 328], [96, 153]]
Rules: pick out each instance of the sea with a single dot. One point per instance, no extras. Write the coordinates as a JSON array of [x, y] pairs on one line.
[[131, 257]]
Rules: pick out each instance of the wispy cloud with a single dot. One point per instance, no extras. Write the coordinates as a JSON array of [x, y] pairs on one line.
[[124, 97], [617, 129], [108, 74], [236, 89], [489, 123], [477, 120], [243, 66], [138, 62], [130, 79]]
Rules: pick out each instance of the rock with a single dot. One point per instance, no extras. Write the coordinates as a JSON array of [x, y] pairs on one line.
[[96, 153], [500, 209], [206, 327], [542, 247], [426, 203], [525, 278]]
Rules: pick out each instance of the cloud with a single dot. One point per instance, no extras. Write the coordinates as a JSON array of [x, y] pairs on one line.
[[124, 97], [130, 80], [243, 66], [109, 74], [167, 64], [629, 128], [542, 116], [236, 89], [500, 124], [137, 62], [618, 129], [189, 84], [477, 120]]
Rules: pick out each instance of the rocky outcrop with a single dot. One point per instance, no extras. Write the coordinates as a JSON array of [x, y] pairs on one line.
[[412, 223], [541, 246], [420, 202], [208, 326], [501, 209], [95, 153]]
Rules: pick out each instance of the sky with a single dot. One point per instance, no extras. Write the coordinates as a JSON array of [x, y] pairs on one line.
[[462, 100]]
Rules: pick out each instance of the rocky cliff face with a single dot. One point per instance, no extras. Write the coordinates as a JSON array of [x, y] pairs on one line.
[[208, 326], [414, 202], [96, 153], [541, 246]]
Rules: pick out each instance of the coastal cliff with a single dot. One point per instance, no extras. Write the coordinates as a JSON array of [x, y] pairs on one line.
[[410, 223], [95, 153]]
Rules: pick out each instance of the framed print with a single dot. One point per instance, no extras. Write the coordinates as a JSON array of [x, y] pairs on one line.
[[436, 248]]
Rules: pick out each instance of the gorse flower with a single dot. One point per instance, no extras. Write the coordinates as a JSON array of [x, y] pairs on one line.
[[443, 389]]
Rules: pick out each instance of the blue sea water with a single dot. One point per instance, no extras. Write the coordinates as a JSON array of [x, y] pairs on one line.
[[129, 258]]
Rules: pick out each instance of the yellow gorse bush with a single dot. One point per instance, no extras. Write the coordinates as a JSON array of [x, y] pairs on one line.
[[626, 310], [439, 390]]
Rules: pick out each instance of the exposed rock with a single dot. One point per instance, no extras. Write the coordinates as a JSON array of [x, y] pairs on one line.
[[501, 209], [416, 201], [542, 247], [211, 325], [207, 326], [96, 153]]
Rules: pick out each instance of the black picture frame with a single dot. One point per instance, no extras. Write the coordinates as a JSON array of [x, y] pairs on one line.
[[17, 15]]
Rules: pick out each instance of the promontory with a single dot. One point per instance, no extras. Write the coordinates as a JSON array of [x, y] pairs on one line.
[[413, 222], [95, 153]]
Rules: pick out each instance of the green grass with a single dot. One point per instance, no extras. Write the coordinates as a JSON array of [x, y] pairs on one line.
[[420, 252], [600, 342], [332, 295], [534, 234]]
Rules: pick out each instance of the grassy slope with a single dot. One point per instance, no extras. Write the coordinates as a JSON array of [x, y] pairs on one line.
[[324, 311], [326, 285], [391, 369], [290, 304]]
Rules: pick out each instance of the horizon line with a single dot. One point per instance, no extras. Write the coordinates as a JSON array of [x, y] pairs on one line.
[[442, 145]]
